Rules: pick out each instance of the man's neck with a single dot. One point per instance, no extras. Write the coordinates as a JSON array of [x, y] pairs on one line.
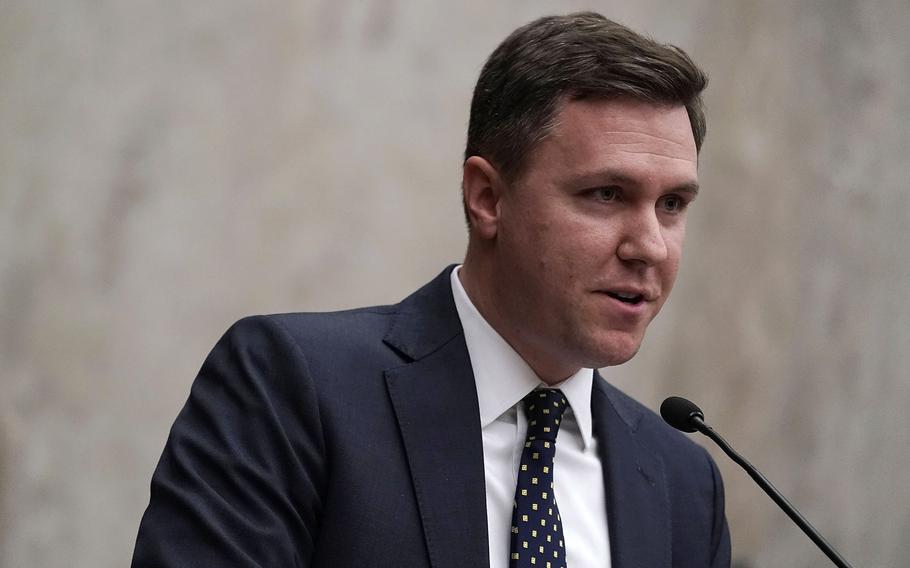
[[475, 284]]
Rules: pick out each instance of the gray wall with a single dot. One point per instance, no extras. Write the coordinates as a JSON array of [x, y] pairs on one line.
[[167, 167]]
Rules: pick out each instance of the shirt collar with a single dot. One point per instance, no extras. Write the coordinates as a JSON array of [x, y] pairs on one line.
[[503, 378]]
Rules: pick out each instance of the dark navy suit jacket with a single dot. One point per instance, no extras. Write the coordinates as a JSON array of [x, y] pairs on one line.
[[353, 439]]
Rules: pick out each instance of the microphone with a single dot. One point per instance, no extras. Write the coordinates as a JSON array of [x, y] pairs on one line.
[[686, 416]]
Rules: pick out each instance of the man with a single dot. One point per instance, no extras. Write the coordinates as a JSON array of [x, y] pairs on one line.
[[430, 433]]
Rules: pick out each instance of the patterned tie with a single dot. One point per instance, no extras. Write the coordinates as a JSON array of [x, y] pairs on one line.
[[536, 525]]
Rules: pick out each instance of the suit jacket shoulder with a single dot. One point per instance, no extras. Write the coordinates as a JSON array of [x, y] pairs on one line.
[[314, 440]]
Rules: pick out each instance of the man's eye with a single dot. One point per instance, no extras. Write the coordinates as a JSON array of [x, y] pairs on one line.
[[673, 204], [607, 194]]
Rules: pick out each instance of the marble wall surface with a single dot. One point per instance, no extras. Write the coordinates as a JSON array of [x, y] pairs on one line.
[[167, 167]]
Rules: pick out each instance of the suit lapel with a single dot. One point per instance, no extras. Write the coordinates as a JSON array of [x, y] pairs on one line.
[[638, 513], [435, 402]]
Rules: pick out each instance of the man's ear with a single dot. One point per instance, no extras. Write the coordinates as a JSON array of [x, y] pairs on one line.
[[482, 187]]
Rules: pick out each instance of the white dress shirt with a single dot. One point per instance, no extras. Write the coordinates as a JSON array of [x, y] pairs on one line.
[[503, 378]]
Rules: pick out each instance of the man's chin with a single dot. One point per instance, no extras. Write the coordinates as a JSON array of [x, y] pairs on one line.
[[615, 349]]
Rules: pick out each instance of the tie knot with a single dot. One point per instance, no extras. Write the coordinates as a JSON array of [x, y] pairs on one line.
[[544, 409]]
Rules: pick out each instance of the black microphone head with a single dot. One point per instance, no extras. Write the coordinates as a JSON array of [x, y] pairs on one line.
[[678, 412]]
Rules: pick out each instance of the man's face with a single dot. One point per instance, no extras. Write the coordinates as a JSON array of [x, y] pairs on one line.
[[589, 237]]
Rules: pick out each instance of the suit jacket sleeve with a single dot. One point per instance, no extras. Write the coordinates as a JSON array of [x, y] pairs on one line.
[[240, 478]]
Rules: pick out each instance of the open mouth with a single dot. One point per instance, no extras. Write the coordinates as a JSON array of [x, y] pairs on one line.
[[631, 299]]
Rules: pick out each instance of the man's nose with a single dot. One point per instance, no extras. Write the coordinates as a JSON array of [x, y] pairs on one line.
[[643, 239]]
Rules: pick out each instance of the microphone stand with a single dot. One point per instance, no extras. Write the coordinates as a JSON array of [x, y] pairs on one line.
[[772, 492]]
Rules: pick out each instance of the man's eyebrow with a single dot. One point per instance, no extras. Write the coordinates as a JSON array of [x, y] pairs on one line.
[[687, 188], [609, 177]]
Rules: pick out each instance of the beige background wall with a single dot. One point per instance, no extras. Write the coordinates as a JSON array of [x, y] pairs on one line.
[[167, 167]]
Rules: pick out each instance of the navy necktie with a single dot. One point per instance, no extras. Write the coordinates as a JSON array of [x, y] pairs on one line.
[[537, 539]]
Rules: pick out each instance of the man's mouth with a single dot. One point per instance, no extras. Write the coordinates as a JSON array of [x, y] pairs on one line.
[[626, 297]]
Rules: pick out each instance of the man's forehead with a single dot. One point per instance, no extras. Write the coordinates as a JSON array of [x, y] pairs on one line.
[[629, 123], [607, 140]]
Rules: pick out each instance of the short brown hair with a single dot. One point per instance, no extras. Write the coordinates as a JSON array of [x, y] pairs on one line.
[[571, 57]]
